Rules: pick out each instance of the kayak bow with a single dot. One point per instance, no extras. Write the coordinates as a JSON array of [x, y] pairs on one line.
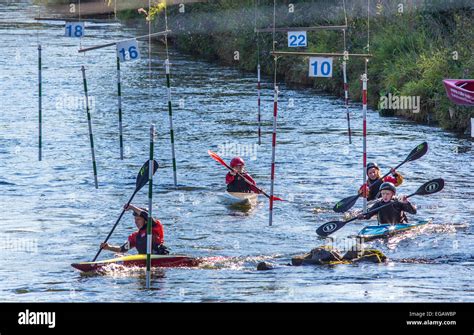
[[139, 261], [240, 199], [386, 230]]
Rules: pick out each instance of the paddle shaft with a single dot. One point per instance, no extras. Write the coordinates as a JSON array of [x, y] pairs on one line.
[[378, 208], [115, 225]]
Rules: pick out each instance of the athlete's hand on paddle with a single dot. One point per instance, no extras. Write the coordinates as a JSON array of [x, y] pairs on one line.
[[433, 186], [403, 199], [104, 246], [345, 204], [217, 158]]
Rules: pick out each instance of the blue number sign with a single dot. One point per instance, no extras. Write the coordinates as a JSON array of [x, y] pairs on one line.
[[74, 29], [297, 39], [128, 50], [320, 67]]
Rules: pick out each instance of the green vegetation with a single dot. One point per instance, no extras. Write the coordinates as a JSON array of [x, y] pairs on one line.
[[413, 50]]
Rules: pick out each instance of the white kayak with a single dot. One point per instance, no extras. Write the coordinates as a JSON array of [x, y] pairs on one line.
[[240, 199]]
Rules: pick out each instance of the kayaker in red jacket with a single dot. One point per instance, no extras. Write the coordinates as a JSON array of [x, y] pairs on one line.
[[394, 213], [138, 239], [371, 189], [236, 183]]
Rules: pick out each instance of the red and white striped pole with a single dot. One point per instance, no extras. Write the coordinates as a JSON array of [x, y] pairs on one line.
[[346, 98], [275, 112], [364, 131], [259, 118]]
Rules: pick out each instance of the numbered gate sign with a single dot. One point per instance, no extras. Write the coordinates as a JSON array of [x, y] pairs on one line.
[[74, 29], [128, 50], [320, 67], [297, 39]]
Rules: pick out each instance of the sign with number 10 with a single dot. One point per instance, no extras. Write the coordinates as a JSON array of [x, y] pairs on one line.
[[320, 67], [74, 29], [128, 50]]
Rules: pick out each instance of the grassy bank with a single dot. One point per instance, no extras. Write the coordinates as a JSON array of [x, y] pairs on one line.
[[413, 47]]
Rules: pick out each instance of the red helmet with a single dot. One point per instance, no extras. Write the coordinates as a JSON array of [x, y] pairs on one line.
[[236, 161]]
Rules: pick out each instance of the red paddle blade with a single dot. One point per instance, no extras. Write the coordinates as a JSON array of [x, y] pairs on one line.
[[216, 157]]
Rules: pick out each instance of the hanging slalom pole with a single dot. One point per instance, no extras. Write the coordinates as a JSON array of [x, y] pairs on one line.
[[258, 77], [346, 100], [170, 113], [364, 132], [119, 103], [364, 105], [149, 232], [275, 112], [91, 137], [346, 85], [170, 108], [258, 102], [40, 106]]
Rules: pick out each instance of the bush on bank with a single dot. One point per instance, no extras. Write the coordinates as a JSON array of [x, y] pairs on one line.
[[413, 50]]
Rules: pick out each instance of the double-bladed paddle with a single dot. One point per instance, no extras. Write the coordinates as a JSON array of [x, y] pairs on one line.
[[142, 180], [217, 158], [345, 204], [430, 187]]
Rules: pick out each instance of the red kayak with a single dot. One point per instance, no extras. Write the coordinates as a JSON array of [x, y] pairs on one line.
[[460, 91], [165, 261]]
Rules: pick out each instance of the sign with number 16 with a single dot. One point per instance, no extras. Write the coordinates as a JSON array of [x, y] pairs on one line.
[[128, 50]]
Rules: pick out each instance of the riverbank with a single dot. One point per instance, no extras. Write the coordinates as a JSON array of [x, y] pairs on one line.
[[414, 48]]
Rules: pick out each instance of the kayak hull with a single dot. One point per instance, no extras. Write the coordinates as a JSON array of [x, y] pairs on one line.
[[386, 230], [139, 261], [460, 91], [241, 199]]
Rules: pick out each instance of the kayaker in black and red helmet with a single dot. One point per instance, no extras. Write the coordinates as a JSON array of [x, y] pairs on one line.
[[391, 214], [371, 189], [138, 239], [236, 183]]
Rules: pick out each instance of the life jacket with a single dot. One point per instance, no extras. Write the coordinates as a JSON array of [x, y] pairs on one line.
[[239, 185], [374, 188], [392, 214], [139, 239]]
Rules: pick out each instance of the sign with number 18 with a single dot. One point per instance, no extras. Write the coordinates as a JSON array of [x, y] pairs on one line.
[[74, 29]]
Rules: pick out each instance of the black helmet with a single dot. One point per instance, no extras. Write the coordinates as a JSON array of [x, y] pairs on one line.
[[143, 213], [388, 186], [370, 166]]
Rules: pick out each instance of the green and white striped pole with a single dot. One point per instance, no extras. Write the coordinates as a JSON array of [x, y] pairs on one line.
[[149, 237], [94, 165], [119, 96], [40, 106], [170, 112]]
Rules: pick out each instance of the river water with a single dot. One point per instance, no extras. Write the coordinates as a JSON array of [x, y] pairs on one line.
[[53, 216]]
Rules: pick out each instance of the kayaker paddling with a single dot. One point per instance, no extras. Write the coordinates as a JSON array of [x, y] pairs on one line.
[[393, 214], [235, 182], [371, 190], [138, 239]]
